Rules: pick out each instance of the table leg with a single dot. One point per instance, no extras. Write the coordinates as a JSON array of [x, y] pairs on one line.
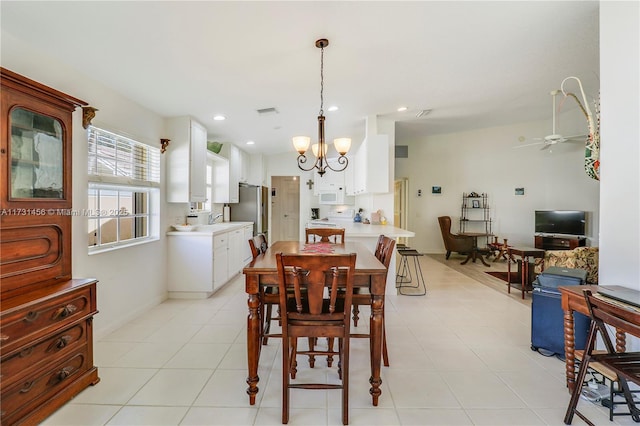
[[525, 273], [569, 350], [253, 337], [482, 259], [509, 275], [375, 342]]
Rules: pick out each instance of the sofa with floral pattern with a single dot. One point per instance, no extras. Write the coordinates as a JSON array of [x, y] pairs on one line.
[[579, 258]]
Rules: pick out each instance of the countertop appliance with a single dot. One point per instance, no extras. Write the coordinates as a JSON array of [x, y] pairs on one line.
[[252, 207]]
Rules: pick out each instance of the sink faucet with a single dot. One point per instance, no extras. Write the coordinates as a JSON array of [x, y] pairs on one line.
[[212, 218]]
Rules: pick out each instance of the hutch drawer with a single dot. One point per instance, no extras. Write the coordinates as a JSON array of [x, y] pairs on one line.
[[19, 364], [26, 395], [27, 322]]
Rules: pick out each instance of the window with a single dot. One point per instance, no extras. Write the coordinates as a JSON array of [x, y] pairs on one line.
[[124, 177]]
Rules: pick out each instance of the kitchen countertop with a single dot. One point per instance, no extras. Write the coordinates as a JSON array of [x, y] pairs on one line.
[[359, 229], [208, 230]]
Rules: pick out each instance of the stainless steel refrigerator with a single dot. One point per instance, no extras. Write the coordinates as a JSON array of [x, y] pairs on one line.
[[252, 207]]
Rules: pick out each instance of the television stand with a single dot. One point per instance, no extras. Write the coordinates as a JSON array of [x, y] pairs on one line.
[[564, 242]]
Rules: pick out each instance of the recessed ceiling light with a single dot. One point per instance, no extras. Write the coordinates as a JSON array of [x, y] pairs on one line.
[[250, 143], [402, 109], [219, 117], [332, 108]]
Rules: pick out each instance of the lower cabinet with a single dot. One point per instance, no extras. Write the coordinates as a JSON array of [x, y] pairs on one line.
[[47, 350], [200, 263]]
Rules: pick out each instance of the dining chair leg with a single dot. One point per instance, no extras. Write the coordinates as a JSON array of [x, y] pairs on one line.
[[286, 369], [293, 351], [330, 341], [266, 319], [356, 314], [344, 361], [312, 346], [385, 353]]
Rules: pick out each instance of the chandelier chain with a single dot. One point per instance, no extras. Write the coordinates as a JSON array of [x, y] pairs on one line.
[[321, 81]]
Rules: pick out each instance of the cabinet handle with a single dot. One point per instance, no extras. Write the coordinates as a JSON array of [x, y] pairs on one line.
[[27, 387], [31, 316], [60, 343], [65, 311], [4, 337], [64, 373]]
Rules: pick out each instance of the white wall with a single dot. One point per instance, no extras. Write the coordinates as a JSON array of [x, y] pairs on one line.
[[131, 280], [485, 160], [620, 153]]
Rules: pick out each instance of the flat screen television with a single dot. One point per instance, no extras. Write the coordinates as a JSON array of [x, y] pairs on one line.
[[567, 222]]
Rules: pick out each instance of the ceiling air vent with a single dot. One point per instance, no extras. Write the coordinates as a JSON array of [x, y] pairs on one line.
[[267, 111]]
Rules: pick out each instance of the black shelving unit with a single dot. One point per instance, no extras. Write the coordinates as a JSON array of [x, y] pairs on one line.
[[475, 215]]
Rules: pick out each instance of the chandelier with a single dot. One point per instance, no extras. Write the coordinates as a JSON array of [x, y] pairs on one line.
[[301, 143]]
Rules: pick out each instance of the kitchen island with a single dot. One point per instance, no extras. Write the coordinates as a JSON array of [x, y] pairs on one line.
[[368, 234]]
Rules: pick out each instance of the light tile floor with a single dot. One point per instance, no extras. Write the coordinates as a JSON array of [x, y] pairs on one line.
[[459, 356]]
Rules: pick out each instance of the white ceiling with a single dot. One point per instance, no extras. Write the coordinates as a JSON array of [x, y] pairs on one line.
[[475, 64]]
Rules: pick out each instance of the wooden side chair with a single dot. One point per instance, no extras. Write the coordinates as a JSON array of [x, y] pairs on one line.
[[361, 296], [327, 235], [625, 365], [269, 295], [314, 316]]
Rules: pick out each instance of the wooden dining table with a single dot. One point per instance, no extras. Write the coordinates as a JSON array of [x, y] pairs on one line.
[[262, 272]]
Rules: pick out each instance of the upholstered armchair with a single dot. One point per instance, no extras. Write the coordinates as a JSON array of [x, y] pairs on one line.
[[453, 242], [579, 258]]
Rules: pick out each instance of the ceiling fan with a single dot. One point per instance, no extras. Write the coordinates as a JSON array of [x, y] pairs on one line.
[[554, 137]]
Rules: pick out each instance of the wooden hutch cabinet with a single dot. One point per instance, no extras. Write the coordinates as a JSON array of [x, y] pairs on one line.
[[46, 337]]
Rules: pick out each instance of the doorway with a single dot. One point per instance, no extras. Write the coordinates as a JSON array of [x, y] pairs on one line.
[[285, 208], [401, 205]]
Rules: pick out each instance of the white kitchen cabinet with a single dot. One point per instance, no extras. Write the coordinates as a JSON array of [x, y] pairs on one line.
[[220, 259], [201, 262], [238, 166], [191, 266], [248, 234], [235, 251], [371, 168], [186, 160], [255, 170], [219, 178]]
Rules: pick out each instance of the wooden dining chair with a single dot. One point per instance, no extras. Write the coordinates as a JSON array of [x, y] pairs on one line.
[[315, 315], [361, 296], [269, 295], [326, 235], [626, 365]]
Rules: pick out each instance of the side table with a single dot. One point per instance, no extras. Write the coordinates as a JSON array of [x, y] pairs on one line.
[[525, 253]]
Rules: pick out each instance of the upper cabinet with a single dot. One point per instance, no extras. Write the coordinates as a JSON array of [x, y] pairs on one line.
[[219, 176], [371, 166], [186, 161], [234, 155]]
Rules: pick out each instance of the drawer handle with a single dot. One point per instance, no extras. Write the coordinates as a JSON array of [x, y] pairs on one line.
[[31, 316], [3, 337], [26, 352], [65, 311], [64, 373], [27, 387], [60, 343]]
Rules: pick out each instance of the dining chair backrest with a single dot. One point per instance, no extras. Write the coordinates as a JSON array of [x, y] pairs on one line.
[[384, 250], [308, 275], [307, 312], [258, 245], [327, 235]]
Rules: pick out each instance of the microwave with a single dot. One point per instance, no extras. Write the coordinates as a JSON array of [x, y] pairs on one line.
[[331, 196]]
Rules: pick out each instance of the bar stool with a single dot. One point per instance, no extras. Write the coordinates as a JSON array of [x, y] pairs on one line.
[[404, 276]]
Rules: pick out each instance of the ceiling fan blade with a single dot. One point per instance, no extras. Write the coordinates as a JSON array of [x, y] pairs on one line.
[[529, 144], [546, 146], [576, 137]]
